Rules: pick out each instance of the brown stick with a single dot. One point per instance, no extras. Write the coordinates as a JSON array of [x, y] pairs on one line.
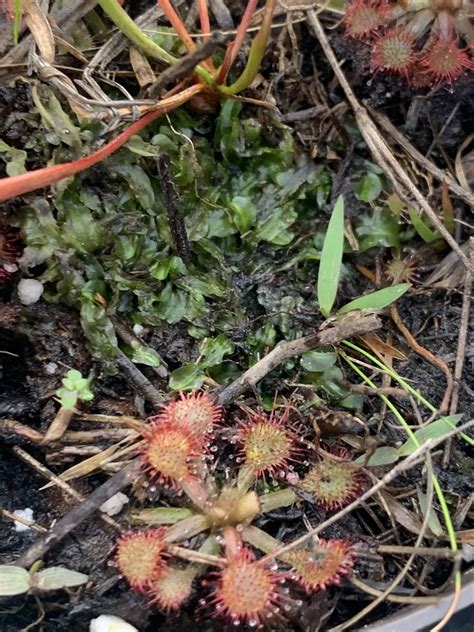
[[79, 513], [345, 329], [173, 209], [427, 355], [186, 64], [59, 425], [141, 383]]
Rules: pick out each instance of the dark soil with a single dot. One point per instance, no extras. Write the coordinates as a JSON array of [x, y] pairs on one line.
[[90, 548]]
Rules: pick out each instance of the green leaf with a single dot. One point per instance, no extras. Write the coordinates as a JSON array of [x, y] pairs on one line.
[[67, 398], [433, 520], [384, 455], [15, 159], [57, 577], [370, 187], [13, 580], [187, 378], [54, 118], [171, 265], [434, 430], [145, 355], [213, 350], [137, 145], [101, 338], [377, 228], [244, 213], [318, 361], [421, 228], [80, 230], [139, 183], [274, 228], [378, 299], [74, 375], [331, 259]]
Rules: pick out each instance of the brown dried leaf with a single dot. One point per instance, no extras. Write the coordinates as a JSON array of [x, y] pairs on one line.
[[404, 516], [382, 349]]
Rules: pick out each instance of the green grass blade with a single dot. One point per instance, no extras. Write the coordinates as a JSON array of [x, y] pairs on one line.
[[377, 299], [16, 21], [433, 430], [331, 259]]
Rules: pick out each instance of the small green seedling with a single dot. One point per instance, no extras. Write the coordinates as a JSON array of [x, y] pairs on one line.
[[15, 580], [75, 387]]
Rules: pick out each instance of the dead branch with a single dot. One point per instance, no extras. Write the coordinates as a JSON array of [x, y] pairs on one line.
[[79, 513], [286, 350]]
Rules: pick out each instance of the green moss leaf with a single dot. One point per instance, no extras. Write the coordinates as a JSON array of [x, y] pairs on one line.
[[187, 378], [14, 158], [369, 188], [214, 350], [318, 361], [378, 228], [139, 183]]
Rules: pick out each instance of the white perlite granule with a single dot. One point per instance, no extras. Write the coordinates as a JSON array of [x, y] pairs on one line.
[[23, 513], [114, 505], [110, 623], [29, 291]]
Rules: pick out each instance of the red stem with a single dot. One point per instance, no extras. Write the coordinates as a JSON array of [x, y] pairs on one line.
[[234, 47], [32, 180], [242, 28], [204, 17], [178, 24]]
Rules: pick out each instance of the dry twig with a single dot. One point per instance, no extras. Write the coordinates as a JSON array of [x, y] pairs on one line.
[[286, 350], [427, 355], [462, 341]]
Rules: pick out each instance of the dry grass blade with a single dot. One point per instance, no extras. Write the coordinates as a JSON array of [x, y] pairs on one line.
[[86, 467], [41, 30], [65, 18], [458, 165], [461, 190], [402, 515], [55, 480], [141, 67]]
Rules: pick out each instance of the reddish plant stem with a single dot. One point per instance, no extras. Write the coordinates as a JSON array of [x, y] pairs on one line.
[[32, 180], [234, 48], [178, 24], [204, 17]]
